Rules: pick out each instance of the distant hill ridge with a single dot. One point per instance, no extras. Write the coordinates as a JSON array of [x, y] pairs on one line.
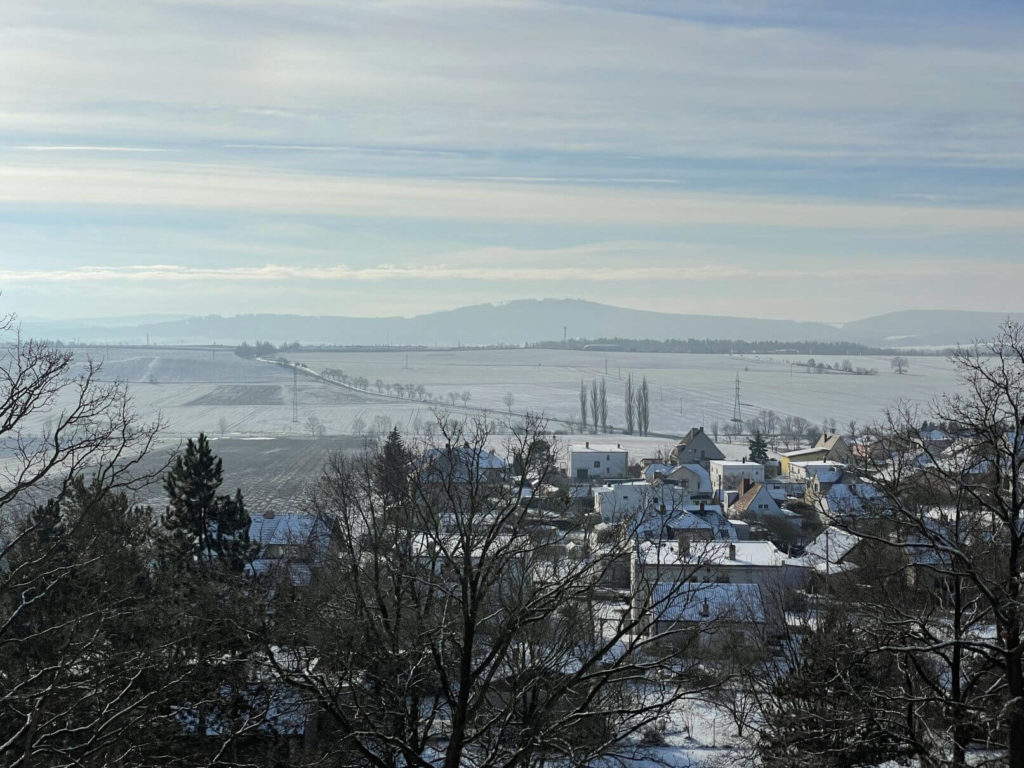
[[529, 321]]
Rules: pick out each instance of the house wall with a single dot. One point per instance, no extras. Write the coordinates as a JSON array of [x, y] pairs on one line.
[[729, 476], [597, 463]]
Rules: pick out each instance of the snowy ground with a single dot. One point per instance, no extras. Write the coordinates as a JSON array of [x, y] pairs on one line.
[[199, 390]]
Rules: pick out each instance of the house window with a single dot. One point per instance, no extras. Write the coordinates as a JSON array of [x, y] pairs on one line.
[[597, 465]]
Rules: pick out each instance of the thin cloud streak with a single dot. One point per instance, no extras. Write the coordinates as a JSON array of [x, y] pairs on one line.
[[187, 186], [276, 272]]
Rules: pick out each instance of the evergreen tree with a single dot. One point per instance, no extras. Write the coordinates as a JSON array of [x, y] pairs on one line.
[[758, 448], [205, 527], [391, 470]]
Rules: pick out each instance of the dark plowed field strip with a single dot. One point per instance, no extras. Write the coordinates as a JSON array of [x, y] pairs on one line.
[[242, 394], [273, 473]]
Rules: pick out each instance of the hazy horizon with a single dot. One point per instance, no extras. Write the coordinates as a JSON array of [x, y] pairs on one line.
[[159, 316]]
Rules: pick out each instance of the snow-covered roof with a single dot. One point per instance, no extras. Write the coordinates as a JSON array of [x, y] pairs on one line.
[[657, 469], [742, 504], [281, 530], [703, 477], [802, 452], [699, 603], [851, 499], [736, 554], [727, 464], [833, 544], [596, 449]]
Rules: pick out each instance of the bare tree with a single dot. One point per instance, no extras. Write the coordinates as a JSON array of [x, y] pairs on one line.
[[583, 406], [315, 426], [595, 404], [629, 404], [508, 400], [222, 425], [899, 364], [603, 405], [465, 398], [643, 407], [954, 516], [67, 687]]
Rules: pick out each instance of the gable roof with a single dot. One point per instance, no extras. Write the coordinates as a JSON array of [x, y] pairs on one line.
[[743, 503], [829, 549], [828, 441], [703, 477], [688, 437]]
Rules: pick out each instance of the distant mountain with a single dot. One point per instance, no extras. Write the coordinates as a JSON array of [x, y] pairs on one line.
[[529, 321], [926, 328]]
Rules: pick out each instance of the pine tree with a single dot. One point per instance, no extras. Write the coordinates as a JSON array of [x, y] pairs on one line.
[[205, 527], [758, 448]]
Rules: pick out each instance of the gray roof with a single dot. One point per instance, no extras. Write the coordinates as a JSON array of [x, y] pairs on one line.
[[697, 603]]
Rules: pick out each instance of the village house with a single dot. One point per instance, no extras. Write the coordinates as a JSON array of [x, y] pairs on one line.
[[587, 462], [292, 545], [708, 616], [733, 562], [696, 448], [830, 447], [637, 499], [729, 475], [694, 478], [757, 502]]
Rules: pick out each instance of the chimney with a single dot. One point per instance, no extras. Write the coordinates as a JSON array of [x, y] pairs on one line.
[[588, 443], [705, 609], [268, 515], [618, 445], [732, 551], [744, 459], [702, 506], [684, 545]]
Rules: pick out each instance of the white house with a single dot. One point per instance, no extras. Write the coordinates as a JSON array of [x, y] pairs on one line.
[[756, 502], [825, 471], [597, 461], [729, 475], [615, 502], [734, 562]]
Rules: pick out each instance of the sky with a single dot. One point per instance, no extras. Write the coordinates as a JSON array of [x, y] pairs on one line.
[[801, 160]]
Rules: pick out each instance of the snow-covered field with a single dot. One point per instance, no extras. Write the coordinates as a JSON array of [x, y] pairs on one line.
[[196, 389], [685, 389]]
